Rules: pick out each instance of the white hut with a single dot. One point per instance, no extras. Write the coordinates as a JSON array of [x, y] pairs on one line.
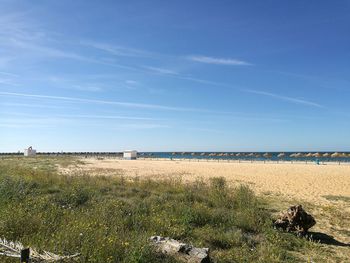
[[130, 155], [29, 151]]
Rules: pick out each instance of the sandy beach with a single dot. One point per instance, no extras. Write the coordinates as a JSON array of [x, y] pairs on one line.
[[308, 182]]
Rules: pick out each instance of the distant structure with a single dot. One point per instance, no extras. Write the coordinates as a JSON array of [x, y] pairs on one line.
[[29, 152], [130, 155]]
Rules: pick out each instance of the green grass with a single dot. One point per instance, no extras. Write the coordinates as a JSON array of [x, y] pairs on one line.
[[110, 219]]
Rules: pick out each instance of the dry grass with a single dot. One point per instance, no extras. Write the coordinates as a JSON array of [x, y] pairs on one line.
[[109, 218], [306, 182]]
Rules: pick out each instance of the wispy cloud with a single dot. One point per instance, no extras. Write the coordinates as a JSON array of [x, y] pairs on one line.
[[285, 98], [107, 117], [7, 81], [106, 102], [8, 78], [78, 116], [143, 126], [42, 120], [36, 122], [132, 82], [116, 50], [46, 51], [8, 74], [219, 61], [87, 88], [28, 105], [72, 83], [161, 70]]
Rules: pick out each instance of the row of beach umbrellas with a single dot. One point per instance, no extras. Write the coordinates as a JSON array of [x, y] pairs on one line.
[[268, 155]]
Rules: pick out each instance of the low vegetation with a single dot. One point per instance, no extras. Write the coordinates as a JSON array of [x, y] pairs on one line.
[[110, 219]]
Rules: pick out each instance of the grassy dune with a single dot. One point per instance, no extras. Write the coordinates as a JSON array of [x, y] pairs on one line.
[[110, 219]]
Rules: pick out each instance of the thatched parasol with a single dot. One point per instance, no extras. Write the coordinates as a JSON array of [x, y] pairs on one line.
[[317, 155], [281, 155], [267, 155], [296, 155], [336, 155], [326, 155]]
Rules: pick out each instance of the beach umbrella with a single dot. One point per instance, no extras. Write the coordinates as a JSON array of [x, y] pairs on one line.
[[267, 155], [296, 155], [309, 155], [251, 155], [335, 155], [202, 154], [317, 155], [238, 154], [192, 154], [326, 155], [281, 155]]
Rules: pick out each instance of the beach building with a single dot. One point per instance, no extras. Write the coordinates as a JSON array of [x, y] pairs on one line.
[[130, 155], [29, 151]]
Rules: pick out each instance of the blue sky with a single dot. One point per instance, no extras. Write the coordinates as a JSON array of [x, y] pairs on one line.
[[175, 75]]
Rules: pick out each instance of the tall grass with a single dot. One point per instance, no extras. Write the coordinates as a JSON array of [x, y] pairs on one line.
[[110, 219]]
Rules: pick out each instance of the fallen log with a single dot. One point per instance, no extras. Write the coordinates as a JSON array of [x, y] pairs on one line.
[[181, 251], [16, 249]]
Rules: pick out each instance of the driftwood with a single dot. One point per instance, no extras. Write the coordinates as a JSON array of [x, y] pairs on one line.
[[16, 249], [181, 251], [295, 219]]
